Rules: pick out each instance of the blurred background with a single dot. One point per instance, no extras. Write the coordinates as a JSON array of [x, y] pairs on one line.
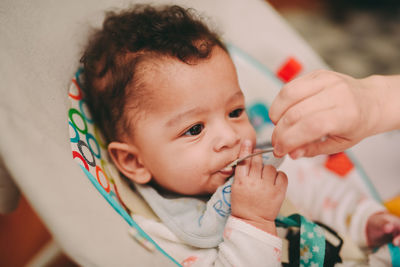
[[355, 37]]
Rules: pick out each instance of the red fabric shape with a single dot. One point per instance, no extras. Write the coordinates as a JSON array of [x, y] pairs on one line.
[[289, 69], [339, 163]]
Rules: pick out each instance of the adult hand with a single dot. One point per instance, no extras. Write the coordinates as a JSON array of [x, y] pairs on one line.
[[257, 191], [325, 112]]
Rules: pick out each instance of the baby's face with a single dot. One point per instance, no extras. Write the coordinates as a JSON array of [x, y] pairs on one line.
[[195, 125]]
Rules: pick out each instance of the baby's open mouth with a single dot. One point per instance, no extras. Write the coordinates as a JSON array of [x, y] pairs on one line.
[[228, 170]]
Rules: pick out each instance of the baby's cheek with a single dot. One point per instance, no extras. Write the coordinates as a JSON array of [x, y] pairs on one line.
[[190, 175]]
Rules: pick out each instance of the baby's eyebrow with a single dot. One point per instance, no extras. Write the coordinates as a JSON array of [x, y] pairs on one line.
[[191, 112], [239, 94], [198, 110]]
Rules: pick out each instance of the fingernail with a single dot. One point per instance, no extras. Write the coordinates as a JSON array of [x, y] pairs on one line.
[[247, 143]]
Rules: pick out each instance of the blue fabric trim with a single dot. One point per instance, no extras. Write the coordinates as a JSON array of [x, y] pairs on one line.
[[395, 255]]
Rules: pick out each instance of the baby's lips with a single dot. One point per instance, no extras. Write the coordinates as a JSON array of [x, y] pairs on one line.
[[228, 170]]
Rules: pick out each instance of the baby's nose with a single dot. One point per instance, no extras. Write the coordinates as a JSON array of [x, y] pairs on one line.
[[227, 137]]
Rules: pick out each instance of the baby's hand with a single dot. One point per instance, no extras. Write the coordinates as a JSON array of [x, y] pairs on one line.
[[383, 228], [257, 191]]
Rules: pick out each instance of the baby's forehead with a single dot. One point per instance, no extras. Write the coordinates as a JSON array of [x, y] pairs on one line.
[[169, 79], [149, 85], [156, 74], [156, 66]]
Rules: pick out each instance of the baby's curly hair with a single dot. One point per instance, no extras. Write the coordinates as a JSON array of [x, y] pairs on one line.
[[114, 53]]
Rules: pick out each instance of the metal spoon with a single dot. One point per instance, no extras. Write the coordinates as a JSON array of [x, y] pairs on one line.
[[236, 162]]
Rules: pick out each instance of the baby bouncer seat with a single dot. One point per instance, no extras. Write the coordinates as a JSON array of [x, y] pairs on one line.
[[42, 45]]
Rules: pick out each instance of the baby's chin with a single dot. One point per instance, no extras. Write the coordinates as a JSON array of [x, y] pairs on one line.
[[173, 192], [220, 181], [204, 190]]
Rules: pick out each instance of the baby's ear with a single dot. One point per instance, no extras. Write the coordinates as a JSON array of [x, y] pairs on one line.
[[126, 159]]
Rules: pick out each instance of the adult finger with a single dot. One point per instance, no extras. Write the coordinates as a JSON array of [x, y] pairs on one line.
[[305, 131], [242, 169], [298, 90], [329, 145], [322, 100]]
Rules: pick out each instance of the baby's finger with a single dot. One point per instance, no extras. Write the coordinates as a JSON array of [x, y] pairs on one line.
[[281, 180], [388, 228], [256, 166], [242, 169], [269, 174], [396, 241]]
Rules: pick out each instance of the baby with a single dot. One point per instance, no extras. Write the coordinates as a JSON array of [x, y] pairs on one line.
[[164, 91]]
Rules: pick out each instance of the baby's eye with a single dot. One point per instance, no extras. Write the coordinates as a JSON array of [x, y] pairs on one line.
[[236, 113], [195, 130]]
